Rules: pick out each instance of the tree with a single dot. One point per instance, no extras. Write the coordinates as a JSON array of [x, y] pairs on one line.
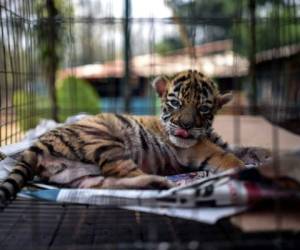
[[167, 45], [83, 97], [189, 13], [230, 20], [50, 36]]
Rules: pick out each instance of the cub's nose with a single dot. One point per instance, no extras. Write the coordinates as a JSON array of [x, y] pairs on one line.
[[186, 124], [187, 118]]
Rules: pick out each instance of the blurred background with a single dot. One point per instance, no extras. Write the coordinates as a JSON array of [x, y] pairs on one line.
[[59, 58], [62, 57]]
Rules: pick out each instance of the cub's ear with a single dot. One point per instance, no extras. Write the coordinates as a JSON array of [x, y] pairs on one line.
[[160, 85], [224, 99]]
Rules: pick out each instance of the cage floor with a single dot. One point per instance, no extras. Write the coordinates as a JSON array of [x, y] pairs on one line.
[[43, 225]]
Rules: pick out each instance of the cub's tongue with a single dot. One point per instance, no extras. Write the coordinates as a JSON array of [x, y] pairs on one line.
[[181, 133]]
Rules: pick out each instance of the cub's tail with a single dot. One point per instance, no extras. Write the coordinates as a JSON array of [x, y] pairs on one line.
[[23, 172]]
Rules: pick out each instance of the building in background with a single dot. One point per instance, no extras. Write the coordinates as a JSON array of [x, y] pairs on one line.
[[278, 81], [215, 59]]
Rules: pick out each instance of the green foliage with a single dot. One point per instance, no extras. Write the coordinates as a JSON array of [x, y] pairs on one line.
[[157, 105], [28, 114], [275, 25], [167, 45], [275, 30], [50, 33], [218, 11], [22, 111], [75, 95]]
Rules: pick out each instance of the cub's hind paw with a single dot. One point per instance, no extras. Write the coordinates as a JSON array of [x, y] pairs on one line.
[[254, 155]]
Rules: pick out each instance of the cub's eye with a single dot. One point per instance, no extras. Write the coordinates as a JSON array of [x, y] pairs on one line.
[[175, 103], [204, 109]]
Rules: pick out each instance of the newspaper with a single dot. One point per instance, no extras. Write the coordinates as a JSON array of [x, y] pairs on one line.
[[209, 215], [215, 191], [141, 201]]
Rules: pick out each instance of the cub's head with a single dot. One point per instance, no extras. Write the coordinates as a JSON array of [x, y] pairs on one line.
[[189, 102]]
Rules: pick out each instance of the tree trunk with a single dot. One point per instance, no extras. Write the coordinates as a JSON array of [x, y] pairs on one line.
[[52, 60]]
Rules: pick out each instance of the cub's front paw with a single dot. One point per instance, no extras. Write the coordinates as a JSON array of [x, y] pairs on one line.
[[230, 161]]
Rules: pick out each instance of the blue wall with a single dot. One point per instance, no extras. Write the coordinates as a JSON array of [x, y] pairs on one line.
[[139, 105]]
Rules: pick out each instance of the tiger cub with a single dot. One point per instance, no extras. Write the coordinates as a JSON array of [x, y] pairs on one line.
[[126, 151]]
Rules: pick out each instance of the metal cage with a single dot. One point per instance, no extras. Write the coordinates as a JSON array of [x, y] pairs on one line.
[[116, 53]]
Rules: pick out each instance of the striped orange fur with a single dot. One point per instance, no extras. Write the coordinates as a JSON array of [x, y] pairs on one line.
[[125, 151]]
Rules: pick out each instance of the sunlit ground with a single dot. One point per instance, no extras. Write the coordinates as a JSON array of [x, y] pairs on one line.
[[255, 131], [10, 134]]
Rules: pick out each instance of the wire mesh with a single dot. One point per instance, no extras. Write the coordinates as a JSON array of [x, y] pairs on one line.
[[258, 59], [20, 75]]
